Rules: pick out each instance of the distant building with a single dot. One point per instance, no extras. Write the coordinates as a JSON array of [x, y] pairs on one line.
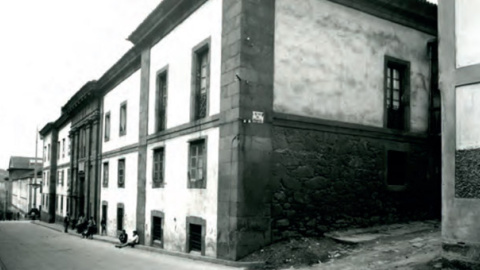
[[231, 124], [23, 194]]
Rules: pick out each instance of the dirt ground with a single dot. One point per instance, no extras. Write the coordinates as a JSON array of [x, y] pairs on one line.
[[415, 251]]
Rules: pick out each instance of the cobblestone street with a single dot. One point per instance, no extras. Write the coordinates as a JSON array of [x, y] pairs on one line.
[[24, 245]]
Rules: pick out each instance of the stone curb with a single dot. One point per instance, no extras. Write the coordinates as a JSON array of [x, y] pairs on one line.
[[167, 252]]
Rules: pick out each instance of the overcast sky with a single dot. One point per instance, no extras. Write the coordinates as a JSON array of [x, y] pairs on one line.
[[48, 50]]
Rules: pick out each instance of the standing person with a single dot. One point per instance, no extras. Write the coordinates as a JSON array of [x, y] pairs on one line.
[[103, 223], [66, 221], [132, 242]]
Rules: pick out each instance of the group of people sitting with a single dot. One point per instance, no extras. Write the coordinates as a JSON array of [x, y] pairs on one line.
[[88, 228]]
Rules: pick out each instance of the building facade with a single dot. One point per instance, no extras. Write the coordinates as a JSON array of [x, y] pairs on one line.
[[459, 61], [215, 136], [24, 196]]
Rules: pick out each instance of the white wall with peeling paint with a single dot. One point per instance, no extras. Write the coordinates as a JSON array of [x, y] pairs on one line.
[[329, 63]]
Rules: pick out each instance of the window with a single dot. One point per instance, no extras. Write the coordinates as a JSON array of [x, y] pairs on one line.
[[396, 168], [158, 172], [61, 203], [68, 178], [63, 147], [59, 178], [105, 174], [48, 152], [69, 145], [44, 153], [196, 228], [63, 177], [396, 94], [197, 164], [123, 118], [161, 101], [120, 212], [84, 142], [121, 173], [107, 126], [43, 199], [158, 218], [200, 81], [58, 149]]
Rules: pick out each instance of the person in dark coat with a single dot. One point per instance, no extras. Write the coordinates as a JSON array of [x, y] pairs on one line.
[[66, 222]]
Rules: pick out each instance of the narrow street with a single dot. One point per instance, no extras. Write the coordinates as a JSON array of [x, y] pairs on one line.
[[28, 246]]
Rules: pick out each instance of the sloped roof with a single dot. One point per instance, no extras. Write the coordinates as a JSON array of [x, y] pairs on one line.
[[24, 163]]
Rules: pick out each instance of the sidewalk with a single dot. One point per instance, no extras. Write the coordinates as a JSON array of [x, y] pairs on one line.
[[112, 240]]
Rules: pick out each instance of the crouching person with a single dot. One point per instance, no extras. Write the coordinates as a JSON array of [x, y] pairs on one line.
[[132, 242]]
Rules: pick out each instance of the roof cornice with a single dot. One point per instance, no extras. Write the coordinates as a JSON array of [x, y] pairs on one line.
[[163, 19], [86, 92], [417, 14]]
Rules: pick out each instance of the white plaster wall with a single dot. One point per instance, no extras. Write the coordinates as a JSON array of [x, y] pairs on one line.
[[20, 194], [47, 140], [329, 63], [127, 195], [177, 201], [467, 23], [128, 90], [62, 190], [467, 115], [63, 134], [175, 50]]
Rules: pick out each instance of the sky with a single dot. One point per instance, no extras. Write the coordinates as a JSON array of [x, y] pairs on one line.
[[48, 50]]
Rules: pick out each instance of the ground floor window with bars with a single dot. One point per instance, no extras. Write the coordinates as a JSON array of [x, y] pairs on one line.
[[195, 237]]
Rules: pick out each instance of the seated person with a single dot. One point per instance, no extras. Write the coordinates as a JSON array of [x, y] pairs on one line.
[[123, 237], [131, 243]]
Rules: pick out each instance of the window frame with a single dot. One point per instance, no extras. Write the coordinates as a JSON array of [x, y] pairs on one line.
[[157, 214], [402, 148], [120, 206], [107, 127], [158, 184], [106, 174], [161, 100], [195, 221], [404, 74], [123, 132], [63, 147], [197, 184], [197, 51], [121, 184]]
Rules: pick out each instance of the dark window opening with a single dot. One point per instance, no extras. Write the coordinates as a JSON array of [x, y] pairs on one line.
[[157, 231], [396, 168], [158, 172], [123, 119], [119, 218], [202, 78], [197, 164], [161, 101], [107, 127], [397, 74], [121, 173], [195, 238], [105, 174]]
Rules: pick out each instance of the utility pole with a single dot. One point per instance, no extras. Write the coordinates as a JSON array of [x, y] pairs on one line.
[[35, 172]]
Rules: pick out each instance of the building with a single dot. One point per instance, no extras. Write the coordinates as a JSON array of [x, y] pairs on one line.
[[215, 136], [24, 196], [459, 61]]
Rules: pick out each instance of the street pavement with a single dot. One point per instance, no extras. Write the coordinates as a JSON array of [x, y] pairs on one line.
[[24, 246]]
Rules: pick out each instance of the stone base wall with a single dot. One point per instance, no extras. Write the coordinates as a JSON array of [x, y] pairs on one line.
[[327, 181]]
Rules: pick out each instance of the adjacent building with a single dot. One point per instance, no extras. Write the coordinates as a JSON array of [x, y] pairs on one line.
[[23, 184], [215, 136], [459, 62]]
